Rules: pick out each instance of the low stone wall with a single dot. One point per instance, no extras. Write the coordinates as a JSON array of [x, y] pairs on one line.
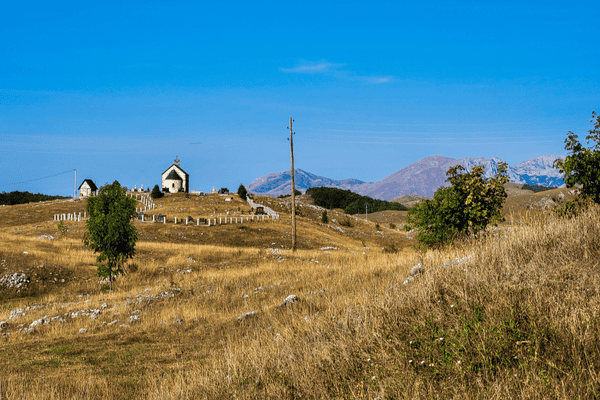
[[268, 210]]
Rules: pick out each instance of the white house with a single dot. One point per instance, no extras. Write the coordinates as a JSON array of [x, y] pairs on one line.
[[175, 179], [87, 188]]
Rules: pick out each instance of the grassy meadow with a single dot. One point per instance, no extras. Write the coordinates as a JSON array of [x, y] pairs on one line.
[[200, 314]]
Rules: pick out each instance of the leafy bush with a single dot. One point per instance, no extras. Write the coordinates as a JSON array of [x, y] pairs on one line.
[[392, 249], [573, 208], [351, 203], [17, 197], [324, 218], [582, 165], [346, 222], [242, 192], [468, 206], [109, 229], [62, 227], [392, 225], [156, 193]]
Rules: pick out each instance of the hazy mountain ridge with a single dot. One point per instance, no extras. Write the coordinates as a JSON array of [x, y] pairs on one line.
[[421, 178], [281, 183]]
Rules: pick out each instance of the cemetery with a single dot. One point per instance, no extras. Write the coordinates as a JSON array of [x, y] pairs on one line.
[[211, 210]]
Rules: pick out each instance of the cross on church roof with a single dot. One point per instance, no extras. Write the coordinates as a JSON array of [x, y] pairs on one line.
[[176, 161]]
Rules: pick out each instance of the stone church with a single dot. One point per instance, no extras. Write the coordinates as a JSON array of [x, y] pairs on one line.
[[87, 188], [175, 179]]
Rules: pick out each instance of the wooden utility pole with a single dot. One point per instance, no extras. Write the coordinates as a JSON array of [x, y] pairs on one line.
[[291, 139]]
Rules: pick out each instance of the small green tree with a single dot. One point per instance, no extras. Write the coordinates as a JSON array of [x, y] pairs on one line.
[[242, 192], [156, 193], [110, 231], [582, 165], [324, 218], [468, 205]]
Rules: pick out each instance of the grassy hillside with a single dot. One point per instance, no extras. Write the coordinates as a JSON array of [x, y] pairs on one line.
[[201, 312]]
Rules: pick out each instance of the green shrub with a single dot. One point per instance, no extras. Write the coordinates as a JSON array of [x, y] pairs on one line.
[[110, 231], [346, 222], [582, 166], [468, 206], [392, 225], [573, 208], [324, 218]]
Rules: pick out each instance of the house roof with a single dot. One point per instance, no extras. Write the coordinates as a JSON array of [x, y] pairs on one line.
[[174, 176], [90, 183], [179, 168]]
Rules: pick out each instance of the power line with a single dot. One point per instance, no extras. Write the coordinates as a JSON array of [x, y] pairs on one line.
[[37, 179]]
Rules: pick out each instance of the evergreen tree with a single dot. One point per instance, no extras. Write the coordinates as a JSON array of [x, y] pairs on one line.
[[156, 193], [242, 192]]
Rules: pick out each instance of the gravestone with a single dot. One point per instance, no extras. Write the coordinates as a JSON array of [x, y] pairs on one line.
[[161, 217], [140, 216]]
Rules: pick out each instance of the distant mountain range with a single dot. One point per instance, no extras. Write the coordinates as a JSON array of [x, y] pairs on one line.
[[422, 178]]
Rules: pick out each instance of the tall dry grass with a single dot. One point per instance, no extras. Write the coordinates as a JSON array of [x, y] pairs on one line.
[[518, 319]]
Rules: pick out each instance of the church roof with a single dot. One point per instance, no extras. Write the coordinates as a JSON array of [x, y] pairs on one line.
[[90, 183], [178, 167], [174, 176]]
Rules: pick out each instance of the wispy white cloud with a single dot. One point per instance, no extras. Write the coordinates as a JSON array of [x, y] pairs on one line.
[[325, 67], [313, 68]]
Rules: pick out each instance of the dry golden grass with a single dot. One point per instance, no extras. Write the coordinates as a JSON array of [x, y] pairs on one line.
[[518, 319]]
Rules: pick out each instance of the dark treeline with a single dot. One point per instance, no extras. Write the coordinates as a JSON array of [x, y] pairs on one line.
[[351, 203], [537, 188], [17, 197]]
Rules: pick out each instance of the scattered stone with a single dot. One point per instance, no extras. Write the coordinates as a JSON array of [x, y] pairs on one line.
[[417, 270], [3, 325], [134, 319], [329, 248], [243, 317], [291, 299], [16, 280], [46, 237], [41, 321], [82, 330], [16, 313]]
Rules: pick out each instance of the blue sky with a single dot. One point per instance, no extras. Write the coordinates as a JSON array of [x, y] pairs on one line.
[[117, 90]]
